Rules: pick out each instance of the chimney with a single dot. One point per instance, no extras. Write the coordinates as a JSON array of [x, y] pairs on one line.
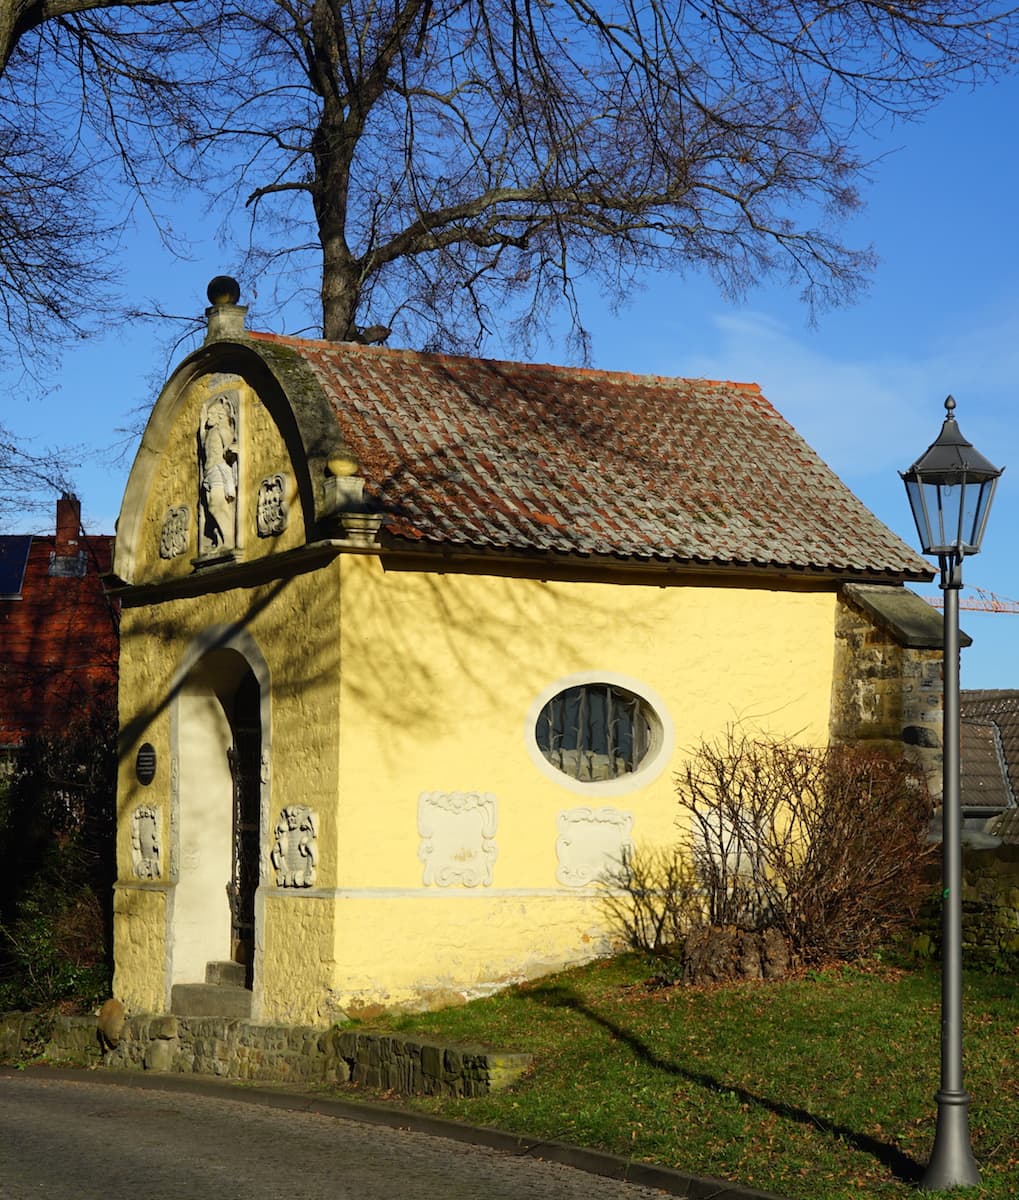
[[224, 315], [67, 560], [68, 524]]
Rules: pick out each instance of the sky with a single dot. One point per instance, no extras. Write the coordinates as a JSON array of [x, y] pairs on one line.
[[865, 385]]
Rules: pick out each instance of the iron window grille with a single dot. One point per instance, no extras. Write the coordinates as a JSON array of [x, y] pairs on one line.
[[594, 732]]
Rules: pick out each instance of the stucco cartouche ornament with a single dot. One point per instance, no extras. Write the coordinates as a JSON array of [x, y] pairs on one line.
[[457, 832], [295, 851], [271, 511], [145, 856], [592, 845], [173, 539]]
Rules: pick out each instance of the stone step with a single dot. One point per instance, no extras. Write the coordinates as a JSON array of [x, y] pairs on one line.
[[209, 1000], [230, 973]]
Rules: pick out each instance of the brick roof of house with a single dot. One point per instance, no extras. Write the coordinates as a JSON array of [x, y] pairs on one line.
[[517, 457], [58, 630]]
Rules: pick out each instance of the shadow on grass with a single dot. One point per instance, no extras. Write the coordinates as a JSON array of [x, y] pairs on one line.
[[901, 1165]]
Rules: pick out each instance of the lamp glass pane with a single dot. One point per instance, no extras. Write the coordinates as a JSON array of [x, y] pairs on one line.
[[950, 516], [921, 516], [978, 505], [951, 510]]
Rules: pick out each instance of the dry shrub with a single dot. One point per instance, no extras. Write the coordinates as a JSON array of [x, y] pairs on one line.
[[652, 899], [825, 845]]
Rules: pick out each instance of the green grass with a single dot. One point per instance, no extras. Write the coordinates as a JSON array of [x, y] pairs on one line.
[[820, 1088]]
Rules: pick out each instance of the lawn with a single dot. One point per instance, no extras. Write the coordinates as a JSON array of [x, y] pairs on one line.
[[816, 1088]]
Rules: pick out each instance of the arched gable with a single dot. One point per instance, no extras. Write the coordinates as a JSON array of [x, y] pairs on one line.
[[232, 463]]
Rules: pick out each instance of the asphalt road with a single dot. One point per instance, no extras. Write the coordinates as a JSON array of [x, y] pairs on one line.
[[83, 1139]]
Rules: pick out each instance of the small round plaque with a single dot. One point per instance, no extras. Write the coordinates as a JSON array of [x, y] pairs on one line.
[[145, 763]]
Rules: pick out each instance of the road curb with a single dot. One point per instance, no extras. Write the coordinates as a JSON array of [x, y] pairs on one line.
[[291, 1098]]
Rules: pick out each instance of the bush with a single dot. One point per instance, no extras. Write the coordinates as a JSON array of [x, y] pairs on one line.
[[653, 899], [825, 845], [57, 866]]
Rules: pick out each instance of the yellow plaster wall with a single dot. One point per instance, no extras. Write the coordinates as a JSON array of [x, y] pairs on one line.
[[294, 623], [139, 945], [140, 932], [435, 947], [300, 963], [439, 673]]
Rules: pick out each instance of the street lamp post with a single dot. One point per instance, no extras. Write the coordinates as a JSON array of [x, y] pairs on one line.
[[950, 489]]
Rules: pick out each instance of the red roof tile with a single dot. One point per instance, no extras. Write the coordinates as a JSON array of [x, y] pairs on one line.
[[477, 453]]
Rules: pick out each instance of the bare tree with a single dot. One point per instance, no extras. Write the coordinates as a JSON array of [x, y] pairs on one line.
[[79, 117], [441, 164], [19, 17], [25, 476], [84, 121], [444, 167]]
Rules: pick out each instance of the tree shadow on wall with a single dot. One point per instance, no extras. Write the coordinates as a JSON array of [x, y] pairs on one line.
[[903, 1167]]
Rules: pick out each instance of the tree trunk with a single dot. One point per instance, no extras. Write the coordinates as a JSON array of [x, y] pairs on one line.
[[12, 13], [332, 149], [341, 271], [340, 287]]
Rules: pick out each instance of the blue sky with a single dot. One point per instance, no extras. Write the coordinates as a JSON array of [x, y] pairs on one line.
[[865, 386]]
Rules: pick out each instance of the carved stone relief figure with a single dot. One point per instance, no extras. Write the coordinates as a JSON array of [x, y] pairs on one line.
[[295, 851], [271, 514], [591, 844], [145, 842], [174, 538], [218, 463], [457, 831]]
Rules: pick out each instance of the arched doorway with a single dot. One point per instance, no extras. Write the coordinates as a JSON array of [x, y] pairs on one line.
[[218, 821], [245, 756]]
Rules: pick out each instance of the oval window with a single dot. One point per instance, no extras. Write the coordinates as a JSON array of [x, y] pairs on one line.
[[595, 731]]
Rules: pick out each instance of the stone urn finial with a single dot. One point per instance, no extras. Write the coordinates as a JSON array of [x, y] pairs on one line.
[[224, 315]]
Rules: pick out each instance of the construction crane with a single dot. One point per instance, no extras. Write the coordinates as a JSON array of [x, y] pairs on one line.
[[983, 601]]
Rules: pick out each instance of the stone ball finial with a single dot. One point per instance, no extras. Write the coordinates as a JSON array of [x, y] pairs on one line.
[[223, 290]]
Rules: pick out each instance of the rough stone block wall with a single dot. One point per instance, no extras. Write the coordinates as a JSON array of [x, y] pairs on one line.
[[236, 1049], [990, 909], [886, 692], [413, 1068], [24, 1034]]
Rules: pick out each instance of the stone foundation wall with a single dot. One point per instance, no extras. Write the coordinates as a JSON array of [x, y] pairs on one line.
[[235, 1049], [990, 909]]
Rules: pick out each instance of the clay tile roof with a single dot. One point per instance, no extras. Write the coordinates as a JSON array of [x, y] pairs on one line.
[[1000, 709], [478, 453], [983, 780]]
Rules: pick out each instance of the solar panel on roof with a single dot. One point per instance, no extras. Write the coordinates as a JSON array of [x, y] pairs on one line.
[[13, 560]]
